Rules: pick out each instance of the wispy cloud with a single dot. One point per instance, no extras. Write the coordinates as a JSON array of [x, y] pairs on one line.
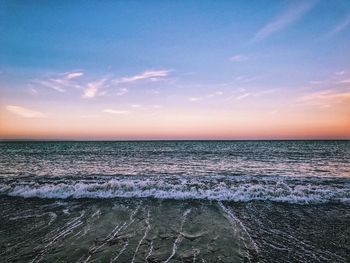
[[146, 107], [246, 79], [157, 106], [73, 75], [265, 92], [342, 25], [238, 58], [211, 95], [153, 75], [122, 91], [154, 91], [243, 96], [112, 111], [291, 15], [90, 91], [92, 88], [344, 81], [340, 73], [217, 93], [318, 82], [337, 79], [49, 84], [195, 98], [60, 82], [24, 112], [33, 91], [326, 98]]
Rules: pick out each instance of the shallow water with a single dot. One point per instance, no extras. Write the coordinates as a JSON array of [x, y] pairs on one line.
[[262, 201], [146, 230]]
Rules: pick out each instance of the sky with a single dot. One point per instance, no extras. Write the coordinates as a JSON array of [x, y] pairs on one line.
[[129, 70]]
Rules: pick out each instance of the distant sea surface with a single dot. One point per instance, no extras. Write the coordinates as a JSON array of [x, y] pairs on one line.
[[175, 201]]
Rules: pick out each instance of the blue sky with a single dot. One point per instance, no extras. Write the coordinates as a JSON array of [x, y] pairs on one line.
[[174, 59]]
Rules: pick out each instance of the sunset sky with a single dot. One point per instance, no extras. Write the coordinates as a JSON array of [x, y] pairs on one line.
[[175, 69]]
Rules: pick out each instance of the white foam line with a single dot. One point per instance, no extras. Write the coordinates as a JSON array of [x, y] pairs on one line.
[[71, 222], [179, 236], [281, 248], [121, 251], [86, 229], [64, 233], [114, 232], [303, 246], [87, 259], [131, 220], [111, 235], [232, 188], [97, 213], [66, 230], [335, 255], [177, 240], [239, 222], [306, 248], [150, 251], [70, 227], [66, 211], [148, 227], [27, 216], [77, 234], [52, 215]]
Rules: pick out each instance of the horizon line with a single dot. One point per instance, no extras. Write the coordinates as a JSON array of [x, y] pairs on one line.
[[152, 140]]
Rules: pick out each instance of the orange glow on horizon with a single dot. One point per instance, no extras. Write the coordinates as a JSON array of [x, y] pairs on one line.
[[178, 126]]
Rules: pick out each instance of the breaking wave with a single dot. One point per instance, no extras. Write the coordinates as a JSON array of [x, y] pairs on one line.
[[299, 190]]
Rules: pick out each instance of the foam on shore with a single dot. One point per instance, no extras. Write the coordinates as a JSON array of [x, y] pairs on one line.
[[234, 188]]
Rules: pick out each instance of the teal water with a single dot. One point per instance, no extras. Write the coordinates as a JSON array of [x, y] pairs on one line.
[[175, 201]]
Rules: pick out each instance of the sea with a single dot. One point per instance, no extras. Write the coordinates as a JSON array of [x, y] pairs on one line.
[[175, 201]]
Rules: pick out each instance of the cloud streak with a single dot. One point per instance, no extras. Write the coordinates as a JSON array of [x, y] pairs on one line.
[[33, 91], [49, 84], [73, 75], [153, 75], [326, 98], [112, 111], [238, 58], [291, 15], [211, 95], [59, 82], [92, 89], [24, 112], [243, 96], [342, 25], [122, 91], [344, 81]]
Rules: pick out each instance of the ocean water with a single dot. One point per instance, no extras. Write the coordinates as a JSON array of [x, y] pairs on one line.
[[175, 201]]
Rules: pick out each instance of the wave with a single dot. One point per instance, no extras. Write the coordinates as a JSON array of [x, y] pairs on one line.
[[234, 188]]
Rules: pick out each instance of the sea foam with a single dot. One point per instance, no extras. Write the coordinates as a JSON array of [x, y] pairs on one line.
[[298, 190]]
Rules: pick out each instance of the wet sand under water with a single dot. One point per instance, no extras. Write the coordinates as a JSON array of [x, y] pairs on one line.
[[151, 230]]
